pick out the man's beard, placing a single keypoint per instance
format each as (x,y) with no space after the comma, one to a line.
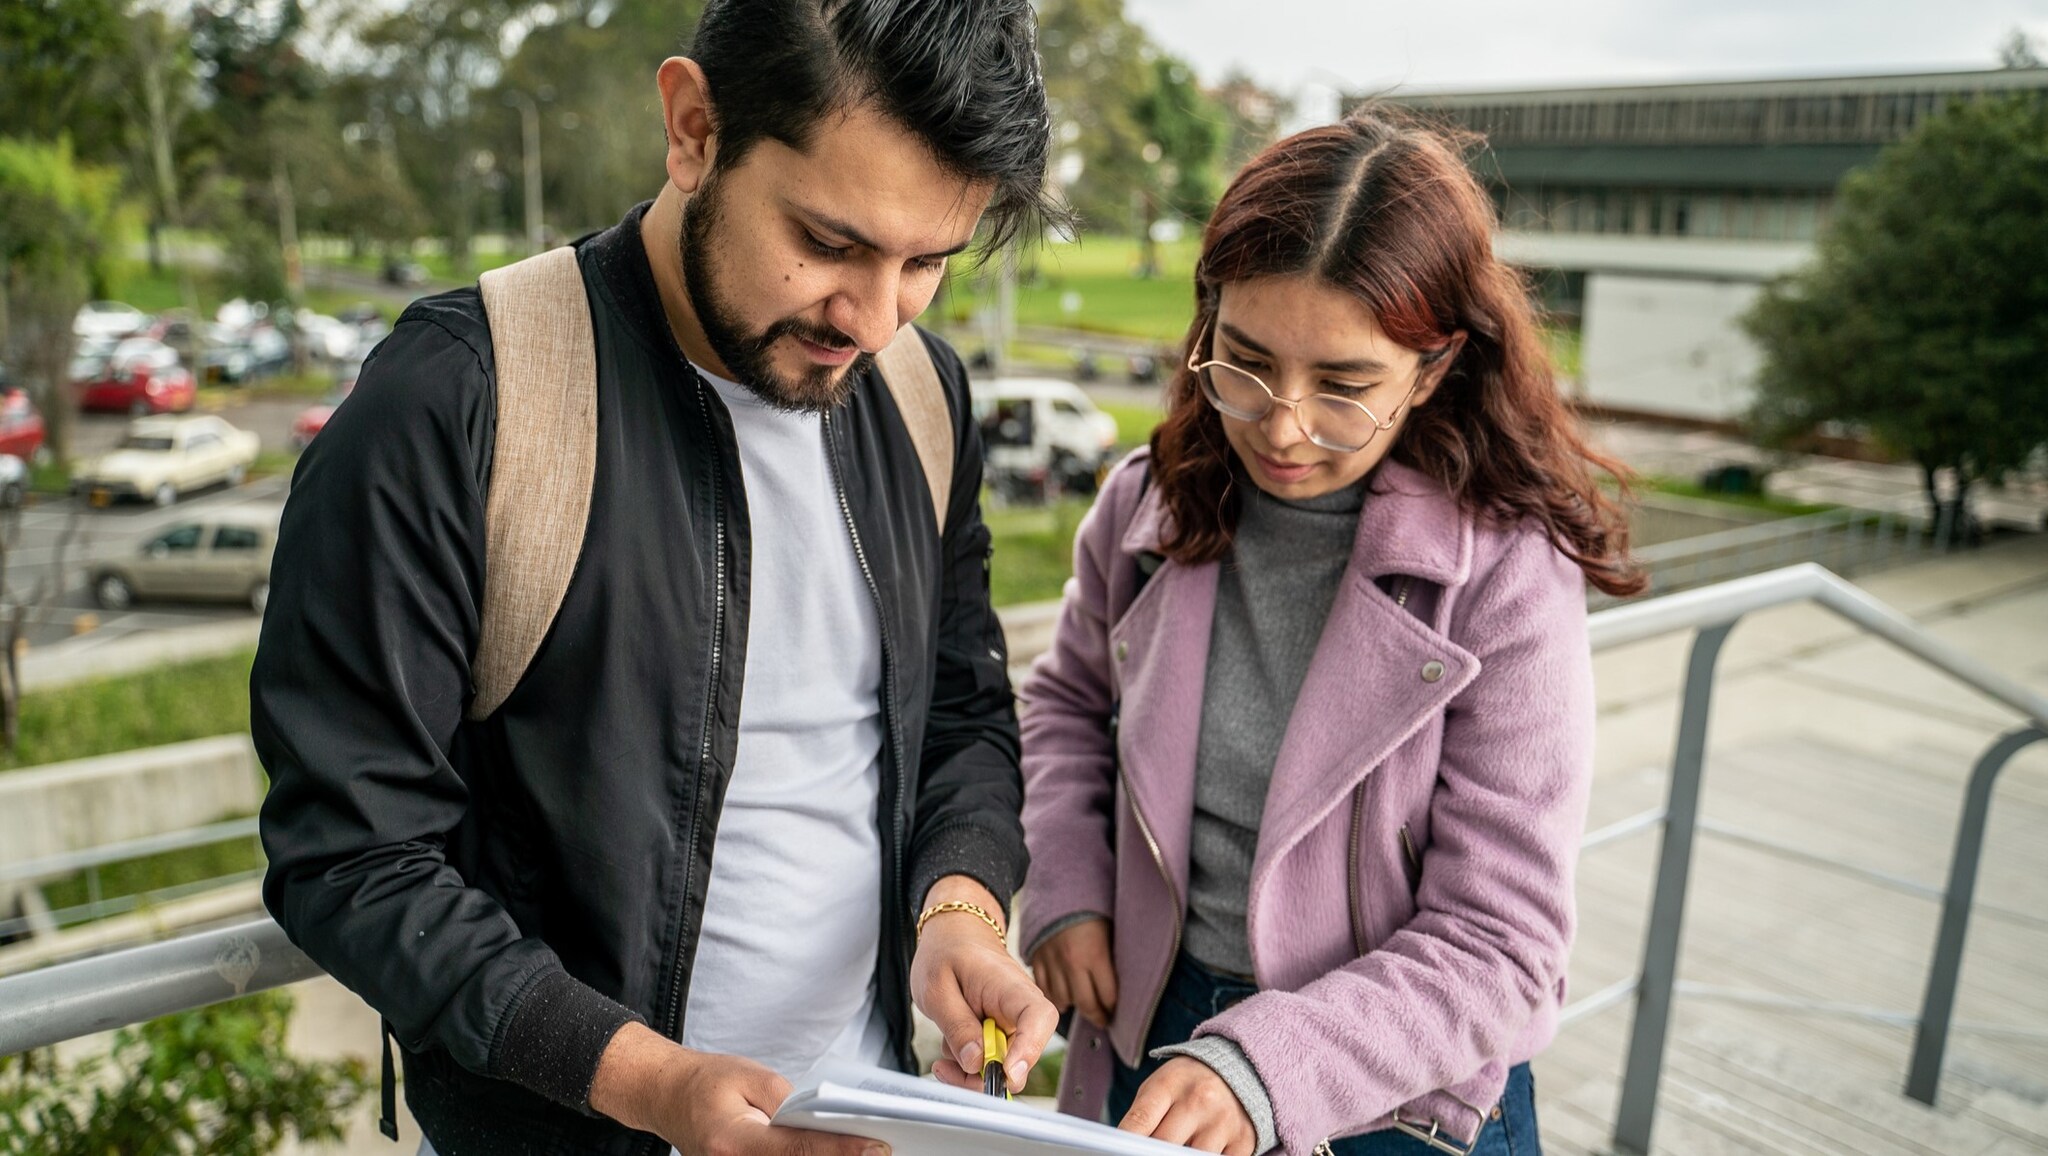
(747,356)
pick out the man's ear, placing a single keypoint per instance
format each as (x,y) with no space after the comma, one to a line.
(1434,374)
(686,117)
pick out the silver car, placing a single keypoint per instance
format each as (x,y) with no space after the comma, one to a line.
(223,557)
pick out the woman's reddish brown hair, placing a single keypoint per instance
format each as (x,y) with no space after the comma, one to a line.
(1383,207)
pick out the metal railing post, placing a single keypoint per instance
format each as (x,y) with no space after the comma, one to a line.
(1930,1040)
(1645,1065)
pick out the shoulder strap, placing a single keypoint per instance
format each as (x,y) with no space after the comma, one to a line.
(906,365)
(544,463)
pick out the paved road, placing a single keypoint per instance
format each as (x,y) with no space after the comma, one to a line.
(66,530)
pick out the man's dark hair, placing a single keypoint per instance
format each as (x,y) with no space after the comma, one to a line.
(961,75)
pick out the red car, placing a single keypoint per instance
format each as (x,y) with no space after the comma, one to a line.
(141,376)
(21,427)
(314,418)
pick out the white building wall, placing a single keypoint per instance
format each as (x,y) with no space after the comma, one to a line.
(1668,345)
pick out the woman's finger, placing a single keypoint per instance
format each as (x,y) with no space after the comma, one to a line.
(1088,1002)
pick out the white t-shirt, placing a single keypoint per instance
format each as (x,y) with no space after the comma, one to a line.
(784,971)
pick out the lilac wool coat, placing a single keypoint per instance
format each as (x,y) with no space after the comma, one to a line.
(1411,904)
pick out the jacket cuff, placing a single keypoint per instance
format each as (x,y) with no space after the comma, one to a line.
(1228,1060)
(553,1036)
(1057,926)
(988,856)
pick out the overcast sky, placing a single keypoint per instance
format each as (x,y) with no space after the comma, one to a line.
(1322,45)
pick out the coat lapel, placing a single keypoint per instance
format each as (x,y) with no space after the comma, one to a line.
(1160,649)
(1379,673)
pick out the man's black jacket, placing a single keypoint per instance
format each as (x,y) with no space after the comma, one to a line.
(509,893)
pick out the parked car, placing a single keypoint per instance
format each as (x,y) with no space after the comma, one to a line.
(108,319)
(21,427)
(164,457)
(409,274)
(13,480)
(89,358)
(313,418)
(141,375)
(327,338)
(1042,433)
(222,558)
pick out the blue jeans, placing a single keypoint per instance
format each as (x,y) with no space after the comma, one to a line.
(1195,994)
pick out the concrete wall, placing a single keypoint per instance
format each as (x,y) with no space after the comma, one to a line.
(91,802)
(1668,345)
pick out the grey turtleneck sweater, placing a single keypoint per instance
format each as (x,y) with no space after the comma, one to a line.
(1273,596)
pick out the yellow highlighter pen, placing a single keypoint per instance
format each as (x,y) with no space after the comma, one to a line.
(995,1048)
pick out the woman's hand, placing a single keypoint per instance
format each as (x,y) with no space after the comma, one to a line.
(1074,970)
(1186,1102)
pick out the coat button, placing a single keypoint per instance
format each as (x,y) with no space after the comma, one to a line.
(1123,651)
(1432,671)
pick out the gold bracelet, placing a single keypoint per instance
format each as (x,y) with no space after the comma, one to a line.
(973,909)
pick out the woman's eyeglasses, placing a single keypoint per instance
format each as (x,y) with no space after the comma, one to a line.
(1339,424)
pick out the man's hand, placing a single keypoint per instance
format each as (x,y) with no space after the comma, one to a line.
(704,1104)
(1074,970)
(1186,1102)
(962,974)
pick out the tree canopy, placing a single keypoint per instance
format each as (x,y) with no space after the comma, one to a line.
(1924,319)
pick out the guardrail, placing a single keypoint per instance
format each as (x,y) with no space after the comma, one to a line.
(1845,540)
(73,999)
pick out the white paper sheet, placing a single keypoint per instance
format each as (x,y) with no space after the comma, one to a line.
(926,1118)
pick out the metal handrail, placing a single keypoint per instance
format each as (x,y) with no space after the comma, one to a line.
(69,1000)
(67,862)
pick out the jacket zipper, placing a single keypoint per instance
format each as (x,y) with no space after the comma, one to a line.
(1353,887)
(1179,906)
(1351,883)
(889,720)
(675,984)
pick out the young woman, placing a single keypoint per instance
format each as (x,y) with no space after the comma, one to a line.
(1306,767)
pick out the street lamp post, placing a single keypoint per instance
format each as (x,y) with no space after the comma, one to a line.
(529,113)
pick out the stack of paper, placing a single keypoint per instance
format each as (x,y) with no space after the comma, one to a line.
(926,1118)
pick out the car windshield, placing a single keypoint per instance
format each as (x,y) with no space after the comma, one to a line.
(156,443)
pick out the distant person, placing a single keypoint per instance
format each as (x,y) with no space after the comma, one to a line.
(1306,767)
(757,790)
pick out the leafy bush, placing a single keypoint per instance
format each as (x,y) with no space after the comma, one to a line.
(216,1080)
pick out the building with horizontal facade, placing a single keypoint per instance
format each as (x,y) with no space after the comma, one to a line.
(1651,215)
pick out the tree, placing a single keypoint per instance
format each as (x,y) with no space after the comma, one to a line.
(1145,137)
(1254,117)
(1184,137)
(55,59)
(58,233)
(1095,76)
(2017,51)
(1925,318)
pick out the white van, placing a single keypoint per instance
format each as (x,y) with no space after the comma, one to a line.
(1042,436)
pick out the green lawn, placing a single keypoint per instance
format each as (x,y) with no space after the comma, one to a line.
(1098,271)
(156,291)
(1034,550)
(170,704)
(1134,423)
(157,872)
(1688,488)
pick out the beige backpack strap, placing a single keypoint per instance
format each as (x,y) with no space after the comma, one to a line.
(913,380)
(544,463)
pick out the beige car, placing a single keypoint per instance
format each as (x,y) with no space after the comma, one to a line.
(163,457)
(224,557)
